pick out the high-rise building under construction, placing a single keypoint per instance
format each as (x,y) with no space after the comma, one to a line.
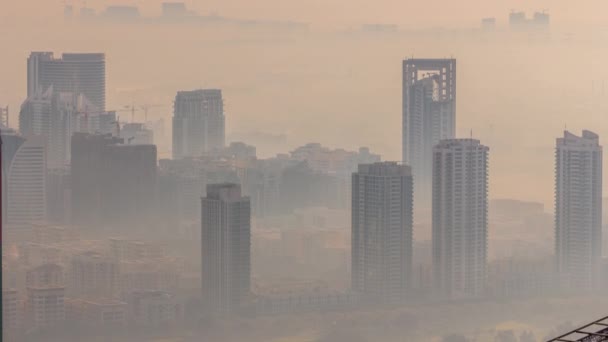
(74,72)
(429,115)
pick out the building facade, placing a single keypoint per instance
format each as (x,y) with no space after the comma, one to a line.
(93,275)
(74,72)
(11,142)
(429,115)
(198,122)
(382,220)
(56,116)
(226,248)
(460,218)
(578,209)
(112,183)
(26,184)
(45,306)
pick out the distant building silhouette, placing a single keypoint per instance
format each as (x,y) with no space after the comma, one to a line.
(74,72)
(198,122)
(382,220)
(519,22)
(226,248)
(121,13)
(429,115)
(578,209)
(488,24)
(460,218)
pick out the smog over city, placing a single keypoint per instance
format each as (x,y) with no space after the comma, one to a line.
(303,171)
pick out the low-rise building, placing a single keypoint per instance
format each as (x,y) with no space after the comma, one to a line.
(151,308)
(98,313)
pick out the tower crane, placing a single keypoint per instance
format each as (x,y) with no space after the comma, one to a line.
(145,108)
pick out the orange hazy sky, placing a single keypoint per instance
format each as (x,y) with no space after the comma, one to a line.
(344,90)
(342,13)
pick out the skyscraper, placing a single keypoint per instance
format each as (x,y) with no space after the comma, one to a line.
(11,142)
(382,219)
(74,72)
(460,218)
(56,116)
(226,248)
(198,122)
(429,114)
(578,209)
(26,182)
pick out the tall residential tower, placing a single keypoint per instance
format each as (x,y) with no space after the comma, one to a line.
(578,209)
(226,248)
(429,114)
(381,237)
(460,217)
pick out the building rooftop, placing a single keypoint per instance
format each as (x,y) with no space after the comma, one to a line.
(595,331)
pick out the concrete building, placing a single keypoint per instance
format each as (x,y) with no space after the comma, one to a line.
(112,183)
(93,275)
(519,22)
(488,24)
(74,72)
(45,275)
(137,134)
(45,306)
(150,274)
(429,115)
(97,313)
(121,13)
(11,313)
(175,10)
(26,183)
(237,151)
(89,156)
(226,248)
(337,161)
(56,116)
(11,142)
(198,122)
(153,308)
(59,196)
(460,218)
(126,249)
(311,302)
(578,209)
(382,219)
